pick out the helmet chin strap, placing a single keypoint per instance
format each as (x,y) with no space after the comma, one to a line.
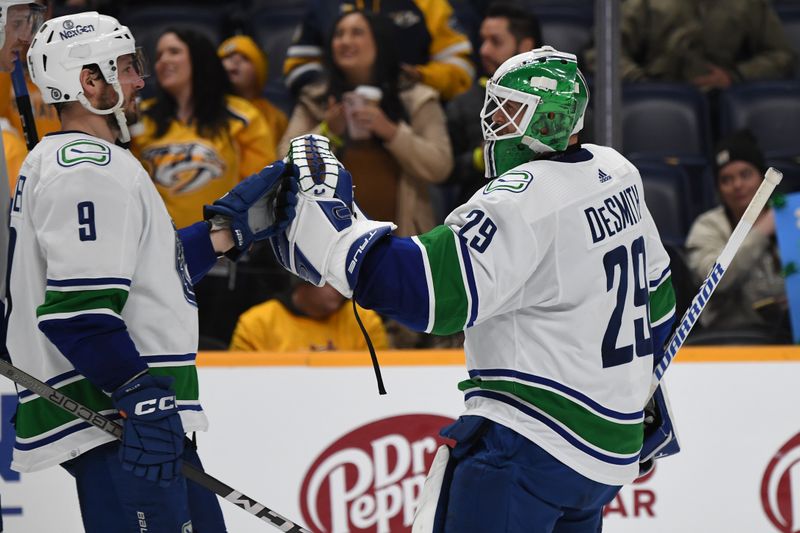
(119,114)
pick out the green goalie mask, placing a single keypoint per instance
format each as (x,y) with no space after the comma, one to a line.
(534,102)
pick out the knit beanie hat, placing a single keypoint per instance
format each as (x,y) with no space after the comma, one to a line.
(246,46)
(738,146)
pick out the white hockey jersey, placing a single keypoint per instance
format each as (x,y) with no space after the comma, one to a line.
(92,241)
(557,274)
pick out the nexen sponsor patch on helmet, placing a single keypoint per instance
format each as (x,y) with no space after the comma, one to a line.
(75,31)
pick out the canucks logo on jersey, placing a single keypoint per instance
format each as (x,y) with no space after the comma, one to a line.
(183,167)
(84,151)
(513,181)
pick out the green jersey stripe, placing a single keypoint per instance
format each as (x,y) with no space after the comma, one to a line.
(607,435)
(662,300)
(449,289)
(39,416)
(56,302)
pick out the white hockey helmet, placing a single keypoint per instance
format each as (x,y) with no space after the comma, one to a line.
(64,45)
(33,18)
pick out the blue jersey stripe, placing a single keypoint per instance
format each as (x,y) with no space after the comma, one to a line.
(473,289)
(52,382)
(171,358)
(555,427)
(656,282)
(87,282)
(503,372)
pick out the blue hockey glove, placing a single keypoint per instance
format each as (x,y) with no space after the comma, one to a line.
(152,435)
(329,236)
(660,438)
(258,207)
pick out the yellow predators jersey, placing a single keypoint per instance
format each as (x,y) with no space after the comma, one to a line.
(190,171)
(277,121)
(44,115)
(272,327)
(15,152)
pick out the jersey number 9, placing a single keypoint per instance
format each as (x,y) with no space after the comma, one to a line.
(86,229)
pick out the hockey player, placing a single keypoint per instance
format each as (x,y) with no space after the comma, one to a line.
(101,301)
(19,20)
(555,271)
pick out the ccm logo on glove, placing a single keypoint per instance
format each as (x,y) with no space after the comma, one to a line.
(167,403)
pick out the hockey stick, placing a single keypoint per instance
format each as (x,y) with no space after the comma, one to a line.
(771,179)
(189,471)
(24,104)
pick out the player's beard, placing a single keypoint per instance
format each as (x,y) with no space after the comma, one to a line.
(129,108)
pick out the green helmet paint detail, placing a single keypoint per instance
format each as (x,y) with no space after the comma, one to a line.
(534,102)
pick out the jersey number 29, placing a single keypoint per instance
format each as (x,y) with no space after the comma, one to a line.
(620,259)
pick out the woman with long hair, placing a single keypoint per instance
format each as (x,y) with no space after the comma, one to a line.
(389,132)
(196,139)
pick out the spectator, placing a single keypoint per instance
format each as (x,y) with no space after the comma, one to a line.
(19,21)
(433,50)
(407,148)
(44,115)
(752,293)
(306,318)
(246,65)
(710,43)
(196,140)
(506,31)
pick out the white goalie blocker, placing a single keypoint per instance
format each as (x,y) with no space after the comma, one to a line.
(329,235)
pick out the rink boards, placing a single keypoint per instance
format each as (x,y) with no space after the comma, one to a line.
(308,436)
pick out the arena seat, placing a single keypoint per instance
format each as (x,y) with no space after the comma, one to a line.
(665,119)
(770,109)
(789,13)
(666,191)
(567,28)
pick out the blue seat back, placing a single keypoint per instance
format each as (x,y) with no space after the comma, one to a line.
(770,109)
(665,119)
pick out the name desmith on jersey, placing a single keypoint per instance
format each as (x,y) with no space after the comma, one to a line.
(614,214)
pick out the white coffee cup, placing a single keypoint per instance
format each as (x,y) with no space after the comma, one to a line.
(354,100)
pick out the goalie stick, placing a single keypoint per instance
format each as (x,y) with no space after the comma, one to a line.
(189,471)
(771,179)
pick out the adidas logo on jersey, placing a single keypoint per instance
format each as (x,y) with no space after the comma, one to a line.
(602,176)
